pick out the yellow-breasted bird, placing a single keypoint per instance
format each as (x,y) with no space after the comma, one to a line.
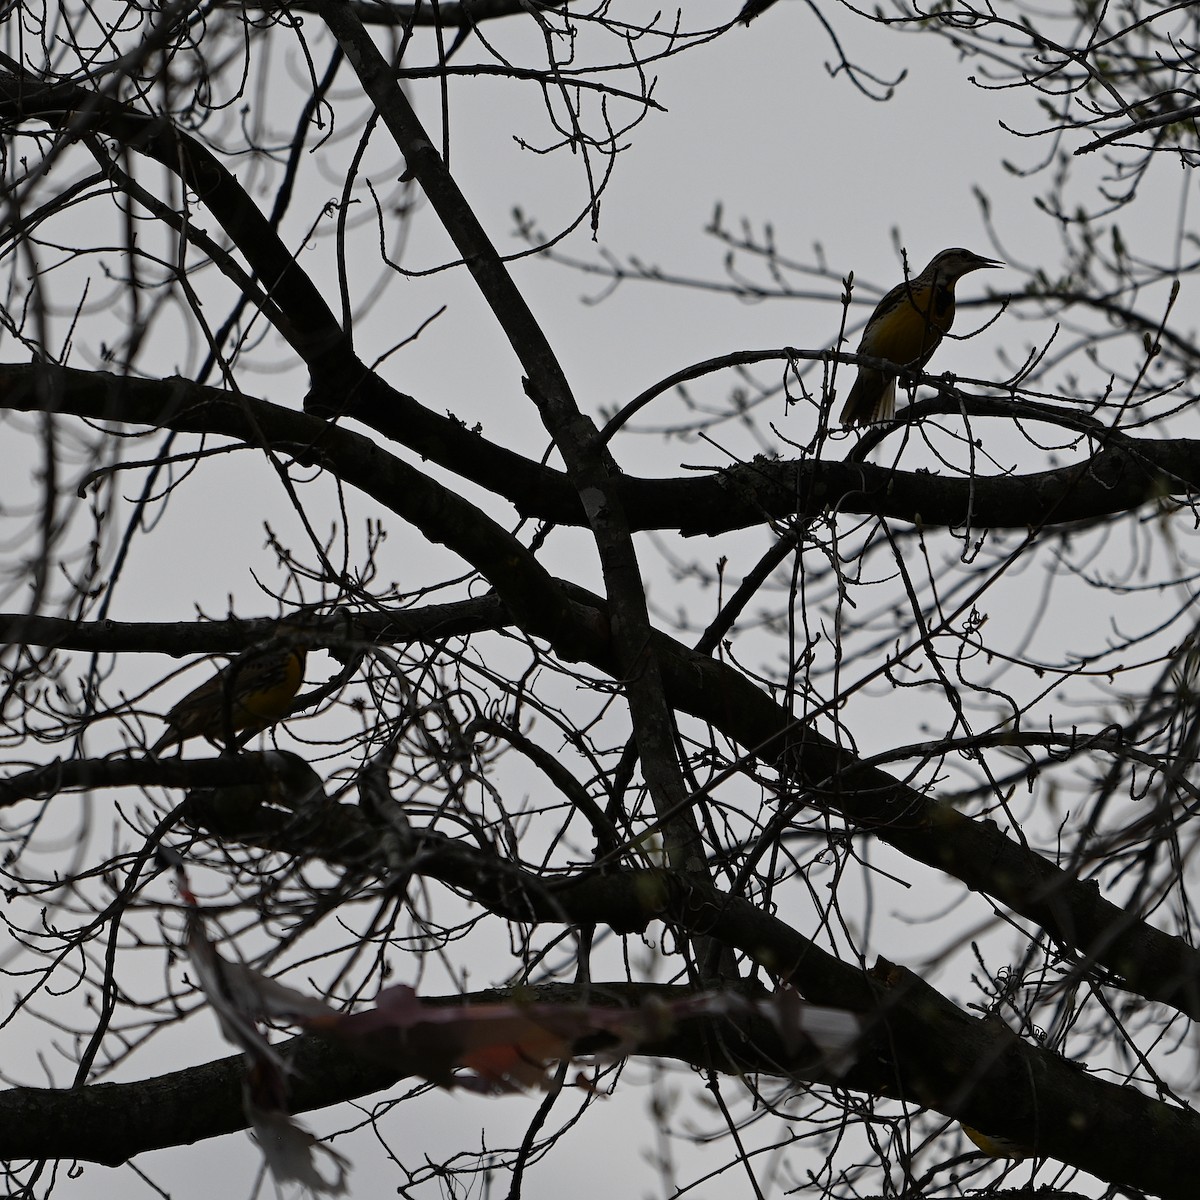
(997,1147)
(247,695)
(905,328)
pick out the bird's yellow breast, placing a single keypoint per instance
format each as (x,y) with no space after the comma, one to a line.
(266,699)
(997,1147)
(907,330)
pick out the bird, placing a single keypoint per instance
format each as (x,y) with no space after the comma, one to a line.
(997,1147)
(247,695)
(906,328)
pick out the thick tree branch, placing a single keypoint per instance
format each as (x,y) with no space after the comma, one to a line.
(431,622)
(1119,477)
(111,1122)
(448,13)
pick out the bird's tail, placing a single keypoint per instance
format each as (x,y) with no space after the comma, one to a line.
(872,399)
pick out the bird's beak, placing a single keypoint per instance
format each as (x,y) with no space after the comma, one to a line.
(982,262)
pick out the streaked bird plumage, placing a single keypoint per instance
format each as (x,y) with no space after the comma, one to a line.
(906,328)
(249,694)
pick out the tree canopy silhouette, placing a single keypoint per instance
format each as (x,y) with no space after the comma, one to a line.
(651,763)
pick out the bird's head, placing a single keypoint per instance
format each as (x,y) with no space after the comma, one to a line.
(954,263)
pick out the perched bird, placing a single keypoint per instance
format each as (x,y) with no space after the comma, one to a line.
(905,328)
(997,1147)
(247,695)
